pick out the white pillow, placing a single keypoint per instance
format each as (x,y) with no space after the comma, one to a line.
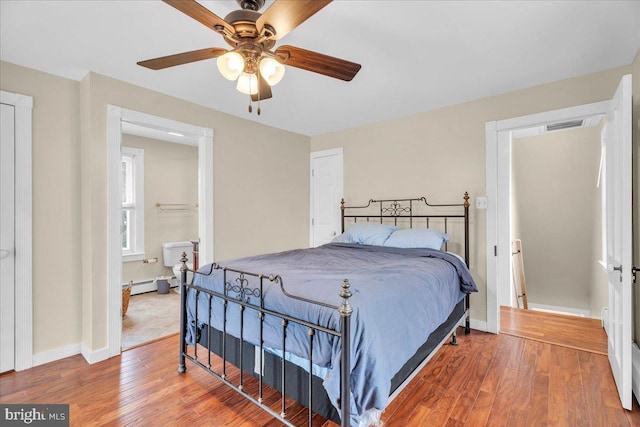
(417,238)
(366,233)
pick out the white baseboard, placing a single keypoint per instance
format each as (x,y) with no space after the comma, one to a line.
(635,370)
(56,354)
(478,325)
(561,310)
(94,356)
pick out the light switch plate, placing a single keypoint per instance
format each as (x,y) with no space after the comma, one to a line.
(481,203)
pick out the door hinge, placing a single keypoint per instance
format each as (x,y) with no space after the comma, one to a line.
(313,172)
(313,221)
(495,250)
(634,270)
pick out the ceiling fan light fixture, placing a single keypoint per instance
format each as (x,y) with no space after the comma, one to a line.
(247,84)
(230,65)
(271,70)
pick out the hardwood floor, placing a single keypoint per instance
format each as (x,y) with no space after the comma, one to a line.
(580,333)
(488,380)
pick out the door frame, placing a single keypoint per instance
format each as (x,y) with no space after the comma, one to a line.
(23,207)
(314,155)
(116,117)
(498,186)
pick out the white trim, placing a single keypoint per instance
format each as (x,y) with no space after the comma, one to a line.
(114,241)
(133,257)
(137,252)
(314,155)
(204,138)
(23,105)
(56,354)
(498,164)
(571,311)
(94,356)
(493,319)
(635,371)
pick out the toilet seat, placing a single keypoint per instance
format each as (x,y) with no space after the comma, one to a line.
(178,274)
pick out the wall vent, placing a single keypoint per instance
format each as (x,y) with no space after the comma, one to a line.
(564,125)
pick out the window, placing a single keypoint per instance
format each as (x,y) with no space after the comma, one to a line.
(132,230)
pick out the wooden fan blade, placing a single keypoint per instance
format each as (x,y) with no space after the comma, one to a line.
(317,62)
(182,58)
(201,14)
(264,90)
(285,15)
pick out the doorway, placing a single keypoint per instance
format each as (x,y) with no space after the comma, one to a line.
(160,210)
(556,214)
(617,206)
(117,119)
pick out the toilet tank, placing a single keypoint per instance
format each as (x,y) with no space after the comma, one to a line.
(172,252)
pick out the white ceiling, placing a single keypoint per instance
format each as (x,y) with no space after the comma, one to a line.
(416,55)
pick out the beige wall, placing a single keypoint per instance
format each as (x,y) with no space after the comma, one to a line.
(557,216)
(56,205)
(260,177)
(441,153)
(170,172)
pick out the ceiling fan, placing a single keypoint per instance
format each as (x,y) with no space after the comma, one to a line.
(252,36)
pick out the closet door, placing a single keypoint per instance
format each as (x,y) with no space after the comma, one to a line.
(7,238)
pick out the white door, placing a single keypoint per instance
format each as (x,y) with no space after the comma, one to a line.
(617,183)
(7,239)
(326,192)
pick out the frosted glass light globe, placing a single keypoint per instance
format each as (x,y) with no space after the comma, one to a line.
(271,70)
(230,65)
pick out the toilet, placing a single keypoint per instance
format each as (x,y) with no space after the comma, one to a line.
(171,254)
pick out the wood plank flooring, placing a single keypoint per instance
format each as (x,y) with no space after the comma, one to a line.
(488,380)
(581,333)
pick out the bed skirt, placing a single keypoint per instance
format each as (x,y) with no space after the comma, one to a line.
(297,378)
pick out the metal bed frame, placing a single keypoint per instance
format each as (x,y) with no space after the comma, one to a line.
(242,287)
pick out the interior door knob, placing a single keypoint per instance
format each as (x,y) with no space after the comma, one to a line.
(611,268)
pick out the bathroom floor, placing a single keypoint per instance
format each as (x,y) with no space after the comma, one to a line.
(150,316)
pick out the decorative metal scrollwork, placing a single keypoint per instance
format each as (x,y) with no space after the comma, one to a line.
(394,209)
(242,290)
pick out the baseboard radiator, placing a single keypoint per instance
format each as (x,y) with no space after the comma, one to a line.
(144,286)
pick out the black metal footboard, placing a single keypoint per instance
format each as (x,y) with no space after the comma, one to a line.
(237,290)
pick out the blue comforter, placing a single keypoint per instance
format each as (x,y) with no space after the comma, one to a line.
(399,297)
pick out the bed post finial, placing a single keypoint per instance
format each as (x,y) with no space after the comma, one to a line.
(342,204)
(345,293)
(466,199)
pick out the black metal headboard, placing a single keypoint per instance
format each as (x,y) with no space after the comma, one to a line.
(406,209)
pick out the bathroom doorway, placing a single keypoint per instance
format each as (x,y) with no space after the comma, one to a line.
(160,210)
(121,122)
